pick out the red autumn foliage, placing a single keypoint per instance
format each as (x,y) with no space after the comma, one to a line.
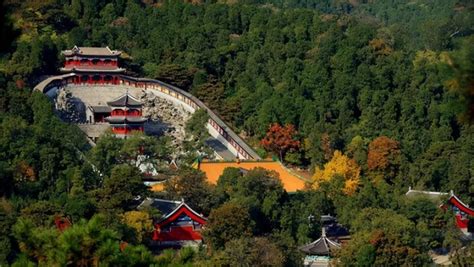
(281,139)
(20,84)
(123,245)
(383,151)
(61,223)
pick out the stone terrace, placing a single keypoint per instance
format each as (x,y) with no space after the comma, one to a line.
(165,116)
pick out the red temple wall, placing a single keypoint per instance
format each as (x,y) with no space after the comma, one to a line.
(118,79)
(126,130)
(461,222)
(179,233)
(72,63)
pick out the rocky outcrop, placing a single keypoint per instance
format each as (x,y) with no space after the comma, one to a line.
(168,118)
(67,108)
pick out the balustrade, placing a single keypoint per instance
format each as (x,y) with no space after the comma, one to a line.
(117,80)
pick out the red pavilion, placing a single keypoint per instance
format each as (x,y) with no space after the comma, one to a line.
(125,115)
(93,65)
(179,226)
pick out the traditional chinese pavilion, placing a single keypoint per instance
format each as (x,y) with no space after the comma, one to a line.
(319,252)
(179,226)
(461,210)
(462,213)
(92,64)
(125,115)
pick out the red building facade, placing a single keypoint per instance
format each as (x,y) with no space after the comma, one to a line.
(462,213)
(182,226)
(125,115)
(93,65)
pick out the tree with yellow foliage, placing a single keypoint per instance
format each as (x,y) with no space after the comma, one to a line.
(140,221)
(341,165)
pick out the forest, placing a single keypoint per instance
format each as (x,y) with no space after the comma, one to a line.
(376,97)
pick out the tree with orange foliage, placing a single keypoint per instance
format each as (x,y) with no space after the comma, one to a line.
(281,139)
(384,156)
(341,165)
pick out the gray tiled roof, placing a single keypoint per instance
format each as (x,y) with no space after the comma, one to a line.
(91,51)
(164,206)
(101,109)
(125,119)
(49,83)
(322,246)
(124,100)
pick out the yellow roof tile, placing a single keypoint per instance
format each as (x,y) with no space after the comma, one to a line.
(291,182)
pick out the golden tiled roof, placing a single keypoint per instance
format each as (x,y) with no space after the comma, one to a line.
(291,181)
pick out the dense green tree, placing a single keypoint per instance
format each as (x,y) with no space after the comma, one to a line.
(229,221)
(383,238)
(176,75)
(84,243)
(262,192)
(251,252)
(106,153)
(117,192)
(191,186)
(462,82)
(7,219)
(342,72)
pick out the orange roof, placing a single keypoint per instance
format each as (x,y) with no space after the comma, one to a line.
(291,182)
(158,187)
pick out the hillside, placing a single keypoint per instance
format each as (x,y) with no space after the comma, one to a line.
(371,98)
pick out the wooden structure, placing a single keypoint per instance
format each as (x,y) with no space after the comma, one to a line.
(179,226)
(97,114)
(319,252)
(462,212)
(89,66)
(94,65)
(126,115)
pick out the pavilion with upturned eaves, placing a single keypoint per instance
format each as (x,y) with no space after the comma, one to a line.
(98,68)
(126,115)
(92,64)
(179,226)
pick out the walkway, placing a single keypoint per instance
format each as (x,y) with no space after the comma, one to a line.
(220,149)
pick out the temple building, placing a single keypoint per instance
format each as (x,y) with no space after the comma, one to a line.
(179,226)
(125,115)
(462,212)
(91,76)
(97,114)
(93,65)
(320,252)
